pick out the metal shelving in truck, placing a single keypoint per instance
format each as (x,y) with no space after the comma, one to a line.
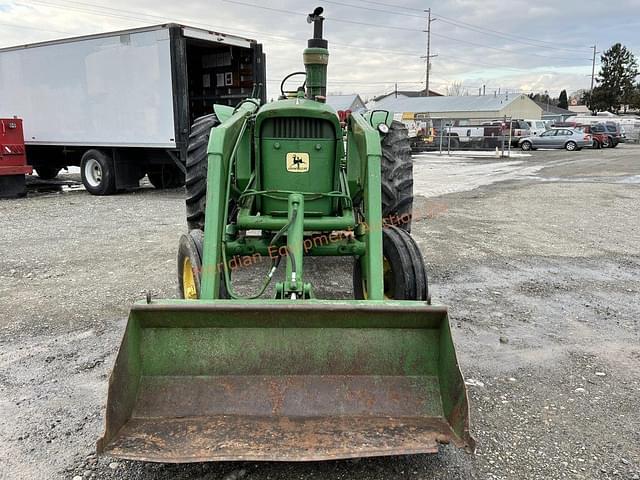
(119,105)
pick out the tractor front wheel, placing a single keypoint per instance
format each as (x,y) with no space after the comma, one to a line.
(405,275)
(190,264)
(397,177)
(190,256)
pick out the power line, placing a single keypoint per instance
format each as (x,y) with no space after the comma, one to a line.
(238,2)
(133,15)
(479,29)
(341,20)
(506,36)
(402,7)
(457,23)
(498,49)
(356,82)
(24,27)
(127,14)
(514,38)
(108,11)
(343,4)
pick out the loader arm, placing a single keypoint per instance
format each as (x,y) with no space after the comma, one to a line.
(223,145)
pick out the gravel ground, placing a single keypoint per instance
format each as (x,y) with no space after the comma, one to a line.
(538,259)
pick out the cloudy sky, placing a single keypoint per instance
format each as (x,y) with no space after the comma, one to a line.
(515,45)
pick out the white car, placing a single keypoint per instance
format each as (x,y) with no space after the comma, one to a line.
(536,127)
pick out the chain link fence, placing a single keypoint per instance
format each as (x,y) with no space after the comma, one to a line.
(449,135)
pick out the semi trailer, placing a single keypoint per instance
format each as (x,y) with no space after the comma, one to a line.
(119,105)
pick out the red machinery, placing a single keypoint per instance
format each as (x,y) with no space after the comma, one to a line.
(13,161)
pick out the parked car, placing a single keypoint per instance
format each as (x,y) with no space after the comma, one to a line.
(571,139)
(614,132)
(466,134)
(598,133)
(519,130)
(536,127)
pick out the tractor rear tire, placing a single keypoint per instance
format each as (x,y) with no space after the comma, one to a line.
(397,177)
(196,178)
(405,275)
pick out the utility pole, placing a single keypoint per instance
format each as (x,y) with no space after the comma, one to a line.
(593,66)
(428,57)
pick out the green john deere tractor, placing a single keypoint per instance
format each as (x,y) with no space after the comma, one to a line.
(218,376)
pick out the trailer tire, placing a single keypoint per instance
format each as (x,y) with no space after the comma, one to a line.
(405,275)
(397,177)
(98,172)
(196,178)
(47,172)
(166,176)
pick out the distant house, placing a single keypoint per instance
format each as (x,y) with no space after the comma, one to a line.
(482,107)
(579,109)
(351,102)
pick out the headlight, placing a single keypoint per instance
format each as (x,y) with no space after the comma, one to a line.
(383,128)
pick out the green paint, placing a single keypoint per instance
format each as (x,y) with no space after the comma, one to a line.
(222,143)
(223,112)
(172,344)
(178,340)
(368,149)
(315,63)
(376,117)
(319,245)
(295,236)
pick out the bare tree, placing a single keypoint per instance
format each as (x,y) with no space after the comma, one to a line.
(456,89)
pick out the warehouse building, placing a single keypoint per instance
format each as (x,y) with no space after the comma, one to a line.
(406,94)
(464,107)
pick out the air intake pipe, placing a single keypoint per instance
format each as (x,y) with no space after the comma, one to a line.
(316,58)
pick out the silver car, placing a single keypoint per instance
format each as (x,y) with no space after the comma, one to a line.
(570,139)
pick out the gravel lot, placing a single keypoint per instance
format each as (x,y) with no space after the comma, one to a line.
(538,259)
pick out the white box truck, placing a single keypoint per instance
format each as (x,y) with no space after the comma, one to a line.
(120,105)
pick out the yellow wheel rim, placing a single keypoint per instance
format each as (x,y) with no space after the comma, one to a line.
(188,281)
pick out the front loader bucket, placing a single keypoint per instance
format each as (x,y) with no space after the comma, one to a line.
(286,381)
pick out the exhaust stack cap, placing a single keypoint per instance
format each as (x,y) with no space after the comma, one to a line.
(316,18)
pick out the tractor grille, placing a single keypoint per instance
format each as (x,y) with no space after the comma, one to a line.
(297,127)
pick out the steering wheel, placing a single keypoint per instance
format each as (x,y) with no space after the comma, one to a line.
(285,92)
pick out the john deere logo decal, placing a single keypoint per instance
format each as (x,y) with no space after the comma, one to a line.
(297,162)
